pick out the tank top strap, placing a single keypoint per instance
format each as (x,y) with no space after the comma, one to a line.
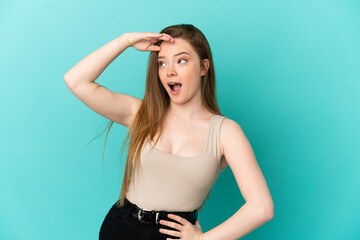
(213,141)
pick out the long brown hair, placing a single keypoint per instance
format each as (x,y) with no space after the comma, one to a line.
(150,115)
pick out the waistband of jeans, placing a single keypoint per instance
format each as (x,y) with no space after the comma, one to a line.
(157,215)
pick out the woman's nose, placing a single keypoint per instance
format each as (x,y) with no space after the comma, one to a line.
(171,70)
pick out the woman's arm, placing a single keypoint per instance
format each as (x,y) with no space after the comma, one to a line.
(80,79)
(90,68)
(259,207)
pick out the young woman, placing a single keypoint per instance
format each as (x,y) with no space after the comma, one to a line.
(180,142)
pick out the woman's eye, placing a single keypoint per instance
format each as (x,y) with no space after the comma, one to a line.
(160,63)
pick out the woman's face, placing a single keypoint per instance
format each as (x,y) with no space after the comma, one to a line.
(178,62)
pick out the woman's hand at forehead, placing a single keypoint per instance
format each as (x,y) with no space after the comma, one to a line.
(143,41)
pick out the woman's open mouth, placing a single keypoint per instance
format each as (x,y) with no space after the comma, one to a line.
(175,88)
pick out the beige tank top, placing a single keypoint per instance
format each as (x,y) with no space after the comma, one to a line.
(168,182)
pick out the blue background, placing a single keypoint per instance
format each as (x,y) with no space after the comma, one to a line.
(287,72)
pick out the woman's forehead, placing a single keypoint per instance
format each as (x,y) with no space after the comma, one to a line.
(168,49)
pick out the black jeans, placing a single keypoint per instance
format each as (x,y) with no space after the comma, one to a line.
(119,224)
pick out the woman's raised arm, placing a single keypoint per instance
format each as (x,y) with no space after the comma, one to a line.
(80,79)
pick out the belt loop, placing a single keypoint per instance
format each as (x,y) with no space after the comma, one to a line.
(157,217)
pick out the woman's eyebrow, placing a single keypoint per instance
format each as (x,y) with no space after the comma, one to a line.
(175,54)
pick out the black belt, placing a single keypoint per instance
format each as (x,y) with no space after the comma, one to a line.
(151,216)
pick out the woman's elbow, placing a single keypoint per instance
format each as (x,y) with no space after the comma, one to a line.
(269,212)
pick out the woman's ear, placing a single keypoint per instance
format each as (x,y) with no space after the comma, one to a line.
(206,65)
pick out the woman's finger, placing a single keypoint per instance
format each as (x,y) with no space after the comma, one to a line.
(153,48)
(170,232)
(155,34)
(159,38)
(166,36)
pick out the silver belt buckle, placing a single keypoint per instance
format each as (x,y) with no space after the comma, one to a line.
(141,214)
